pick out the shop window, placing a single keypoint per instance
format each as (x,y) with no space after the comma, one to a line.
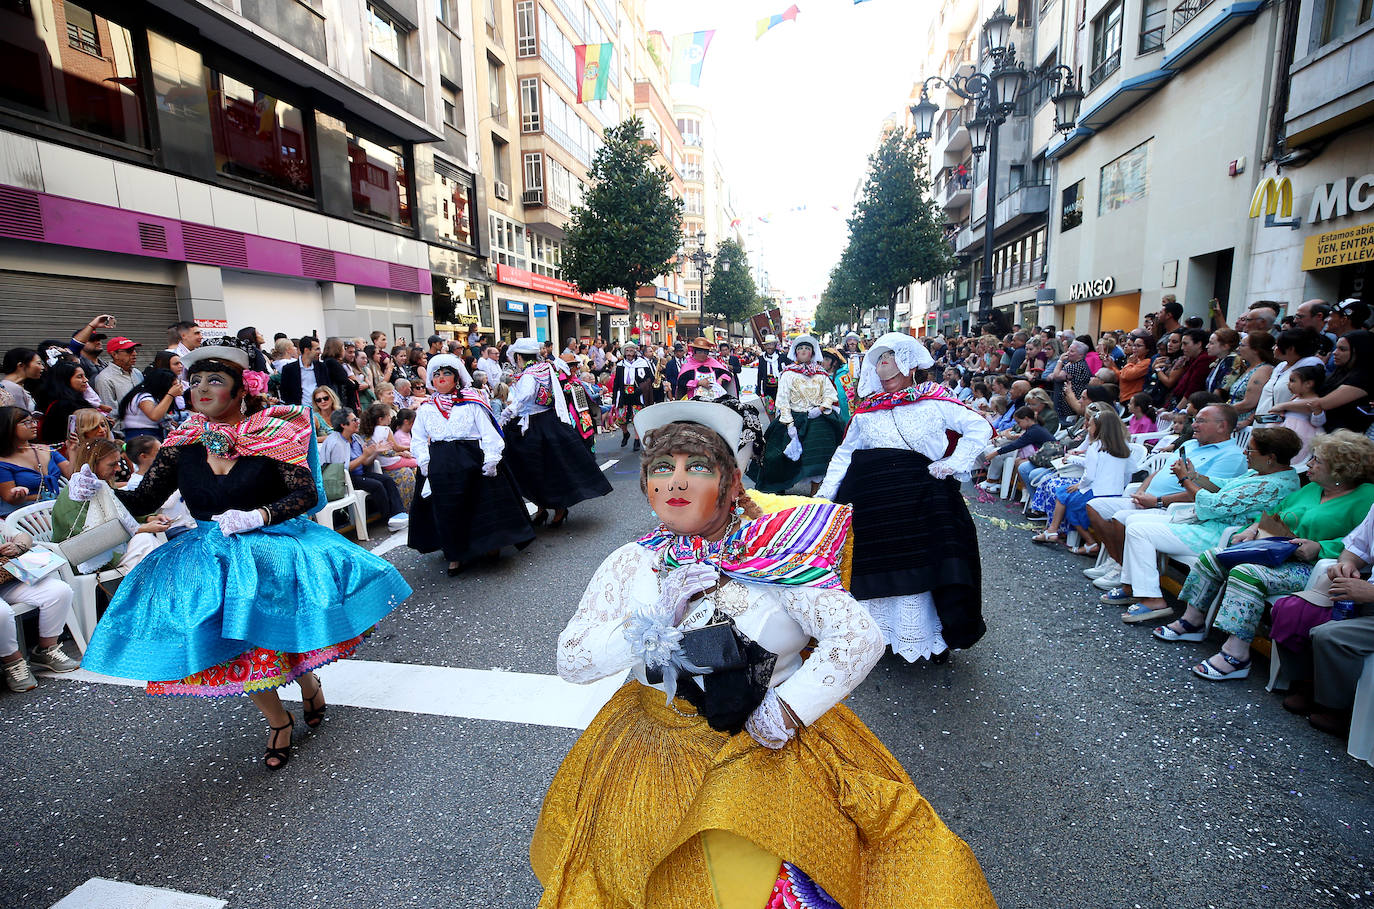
(65,64)
(380,181)
(1071,215)
(258,137)
(1125,180)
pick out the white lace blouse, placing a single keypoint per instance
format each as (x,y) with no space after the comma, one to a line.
(918,427)
(779,618)
(465,421)
(801,393)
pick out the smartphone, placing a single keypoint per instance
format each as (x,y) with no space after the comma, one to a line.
(71,426)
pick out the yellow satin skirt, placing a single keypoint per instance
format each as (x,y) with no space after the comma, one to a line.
(645,806)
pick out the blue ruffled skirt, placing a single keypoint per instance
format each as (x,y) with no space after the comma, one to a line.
(203,597)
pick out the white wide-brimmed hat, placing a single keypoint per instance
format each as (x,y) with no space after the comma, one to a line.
(229,353)
(718,418)
(440,361)
(910,353)
(526,347)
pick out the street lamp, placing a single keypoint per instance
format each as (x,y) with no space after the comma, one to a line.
(994,97)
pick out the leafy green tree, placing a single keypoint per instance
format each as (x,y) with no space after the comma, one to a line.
(731,295)
(628,228)
(846,296)
(896,234)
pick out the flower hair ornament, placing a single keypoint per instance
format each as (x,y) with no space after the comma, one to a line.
(659,646)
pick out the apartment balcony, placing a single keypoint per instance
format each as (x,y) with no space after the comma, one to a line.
(1027,201)
(543,218)
(532,197)
(1327,92)
(953,190)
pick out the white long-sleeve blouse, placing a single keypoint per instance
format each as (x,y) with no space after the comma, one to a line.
(1104,473)
(780,618)
(918,427)
(465,421)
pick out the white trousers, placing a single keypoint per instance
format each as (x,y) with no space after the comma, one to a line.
(1148,533)
(52,596)
(998,464)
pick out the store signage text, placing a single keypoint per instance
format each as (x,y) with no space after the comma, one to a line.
(1339,247)
(1088,290)
(518,277)
(1273,198)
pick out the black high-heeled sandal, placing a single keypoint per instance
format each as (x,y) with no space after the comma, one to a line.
(540,517)
(558,522)
(281,755)
(314,717)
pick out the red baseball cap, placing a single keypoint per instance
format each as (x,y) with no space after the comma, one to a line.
(120,344)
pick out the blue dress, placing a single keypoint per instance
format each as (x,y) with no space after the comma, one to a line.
(211,615)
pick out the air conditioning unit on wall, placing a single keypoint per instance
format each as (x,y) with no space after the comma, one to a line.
(502,190)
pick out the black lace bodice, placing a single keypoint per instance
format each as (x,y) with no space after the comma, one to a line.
(286,490)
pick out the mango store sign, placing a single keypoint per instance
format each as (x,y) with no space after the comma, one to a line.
(1092,290)
(1339,247)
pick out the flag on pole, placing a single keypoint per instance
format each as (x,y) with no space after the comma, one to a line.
(689,51)
(778,19)
(593,71)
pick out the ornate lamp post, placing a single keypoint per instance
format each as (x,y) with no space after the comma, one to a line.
(702,259)
(994,95)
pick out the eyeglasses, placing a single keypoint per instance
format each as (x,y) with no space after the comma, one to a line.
(322,400)
(31,418)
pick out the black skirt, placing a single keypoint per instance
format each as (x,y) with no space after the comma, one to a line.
(913,534)
(467,515)
(551,464)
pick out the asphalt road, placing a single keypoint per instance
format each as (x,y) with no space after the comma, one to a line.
(1078,757)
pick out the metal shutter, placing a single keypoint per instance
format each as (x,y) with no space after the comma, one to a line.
(36,307)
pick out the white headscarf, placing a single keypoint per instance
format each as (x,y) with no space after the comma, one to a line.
(910,353)
(440,360)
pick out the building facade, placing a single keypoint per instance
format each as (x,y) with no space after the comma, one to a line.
(237,163)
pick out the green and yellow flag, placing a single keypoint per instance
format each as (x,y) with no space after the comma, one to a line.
(593,71)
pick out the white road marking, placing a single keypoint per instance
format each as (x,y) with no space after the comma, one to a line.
(102,893)
(611,463)
(479,694)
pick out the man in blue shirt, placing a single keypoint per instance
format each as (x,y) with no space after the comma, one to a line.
(1213,453)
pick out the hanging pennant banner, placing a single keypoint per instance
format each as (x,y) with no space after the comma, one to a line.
(593,71)
(764,24)
(689,52)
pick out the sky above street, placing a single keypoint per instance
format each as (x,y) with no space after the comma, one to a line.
(798,111)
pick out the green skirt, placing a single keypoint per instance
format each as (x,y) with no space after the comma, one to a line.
(776,472)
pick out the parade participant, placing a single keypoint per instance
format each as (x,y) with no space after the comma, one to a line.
(580,410)
(853,354)
(751,782)
(845,381)
(700,361)
(256,596)
(916,564)
(469,505)
(770,370)
(545,453)
(800,442)
(631,389)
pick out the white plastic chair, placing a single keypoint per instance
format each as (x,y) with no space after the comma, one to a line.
(36,521)
(352,498)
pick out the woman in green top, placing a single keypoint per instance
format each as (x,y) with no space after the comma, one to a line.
(1319,515)
(1038,400)
(70,518)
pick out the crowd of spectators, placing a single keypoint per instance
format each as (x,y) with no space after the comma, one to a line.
(1174,441)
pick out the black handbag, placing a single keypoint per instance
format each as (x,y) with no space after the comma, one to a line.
(739,676)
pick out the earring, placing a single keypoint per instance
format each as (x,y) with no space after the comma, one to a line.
(653,514)
(738,509)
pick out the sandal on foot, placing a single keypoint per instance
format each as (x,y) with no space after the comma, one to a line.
(1190,631)
(1142,613)
(1090,550)
(559,516)
(1118,596)
(282,756)
(1046,538)
(314,716)
(1239,669)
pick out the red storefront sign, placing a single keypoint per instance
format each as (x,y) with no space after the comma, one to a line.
(518,277)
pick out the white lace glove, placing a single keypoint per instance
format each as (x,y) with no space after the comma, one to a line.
(235,521)
(814,412)
(941,470)
(794,448)
(678,587)
(767,724)
(506,416)
(84,485)
(489,468)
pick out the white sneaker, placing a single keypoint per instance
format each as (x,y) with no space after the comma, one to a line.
(1110,579)
(1098,571)
(396,522)
(994,486)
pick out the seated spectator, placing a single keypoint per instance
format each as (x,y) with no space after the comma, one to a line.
(1218,505)
(29,472)
(22,369)
(1325,659)
(1256,353)
(1212,453)
(1108,463)
(1317,517)
(1099,393)
(1142,415)
(1000,412)
(401,426)
(1072,372)
(1181,420)
(53,597)
(148,403)
(343,446)
(70,518)
(1292,348)
(323,403)
(283,352)
(141,451)
(1028,438)
(1190,372)
(979,401)
(1038,400)
(1226,368)
(66,387)
(1131,377)
(1346,396)
(386,394)
(395,463)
